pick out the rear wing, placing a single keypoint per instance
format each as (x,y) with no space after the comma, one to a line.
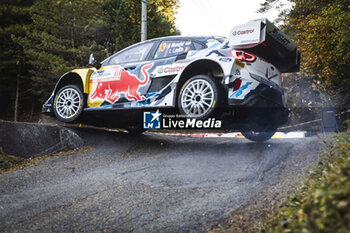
(265,40)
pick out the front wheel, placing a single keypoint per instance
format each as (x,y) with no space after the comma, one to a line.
(199,97)
(68,104)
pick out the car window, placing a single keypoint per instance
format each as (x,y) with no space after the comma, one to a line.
(198,46)
(135,54)
(172,48)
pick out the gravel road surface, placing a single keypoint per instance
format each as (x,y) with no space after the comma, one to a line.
(151,183)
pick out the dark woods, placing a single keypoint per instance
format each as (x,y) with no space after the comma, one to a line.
(43,39)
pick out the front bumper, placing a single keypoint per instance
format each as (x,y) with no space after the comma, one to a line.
(47,106)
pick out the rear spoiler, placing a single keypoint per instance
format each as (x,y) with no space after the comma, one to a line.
(265,40)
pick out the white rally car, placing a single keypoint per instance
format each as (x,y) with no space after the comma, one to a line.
(237,79)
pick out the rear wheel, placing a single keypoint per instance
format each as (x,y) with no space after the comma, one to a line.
(199,97)
(68,103)
(259,135)
(135,130)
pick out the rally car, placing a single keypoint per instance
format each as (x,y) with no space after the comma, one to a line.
(237,78)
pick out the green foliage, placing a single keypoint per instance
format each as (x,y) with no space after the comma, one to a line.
(324,42)
(124,20)
(65,32)
(9,161)
(14,16)
(61,37)
(321,30)
(43,39)
(324,203)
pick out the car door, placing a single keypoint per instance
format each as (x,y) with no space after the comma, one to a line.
(164,59)
(125,77)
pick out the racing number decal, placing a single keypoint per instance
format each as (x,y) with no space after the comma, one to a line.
(162,47)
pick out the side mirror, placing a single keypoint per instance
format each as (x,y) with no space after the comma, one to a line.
(93,62)
(92,59)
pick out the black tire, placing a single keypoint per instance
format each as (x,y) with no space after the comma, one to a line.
(68,104)
(135,130)
(261,135)
(201,104)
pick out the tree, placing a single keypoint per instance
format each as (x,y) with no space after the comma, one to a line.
(325,44)
(14,16)
(43,39)
(321,29)
(65,32)
(124,20)
(62,35)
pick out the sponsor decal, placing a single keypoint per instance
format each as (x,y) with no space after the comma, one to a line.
(239,63)
(225,59)
(160,70)
(239,32)
(276,33)
(157,120)
(152,120)
(240,90)
(116,81)
(170,70)
(105,75)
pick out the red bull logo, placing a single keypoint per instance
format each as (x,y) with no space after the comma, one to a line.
(119,81)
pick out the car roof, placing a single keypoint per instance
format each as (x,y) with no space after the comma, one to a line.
(202,39)
(198,38)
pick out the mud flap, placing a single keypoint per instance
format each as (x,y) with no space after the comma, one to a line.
(255,118)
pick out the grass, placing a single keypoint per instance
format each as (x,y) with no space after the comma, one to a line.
(10,162)
(323,202)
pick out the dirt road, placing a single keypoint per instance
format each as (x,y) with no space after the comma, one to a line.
(148,184)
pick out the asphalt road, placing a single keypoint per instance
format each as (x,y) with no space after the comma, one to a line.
(148,184)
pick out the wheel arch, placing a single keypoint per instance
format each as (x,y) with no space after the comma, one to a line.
(200,67)
(69,78)
(79,77)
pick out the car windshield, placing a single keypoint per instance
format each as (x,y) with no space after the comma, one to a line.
(133,54)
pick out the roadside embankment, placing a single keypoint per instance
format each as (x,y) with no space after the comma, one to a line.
(30,140)
(323,203)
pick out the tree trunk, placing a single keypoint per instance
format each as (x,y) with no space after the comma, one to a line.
(16,100)
(32,110)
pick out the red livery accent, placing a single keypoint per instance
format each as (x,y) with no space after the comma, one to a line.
(237,84)
(126,83)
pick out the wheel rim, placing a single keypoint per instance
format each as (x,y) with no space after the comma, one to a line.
(68,103)
(197,98)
